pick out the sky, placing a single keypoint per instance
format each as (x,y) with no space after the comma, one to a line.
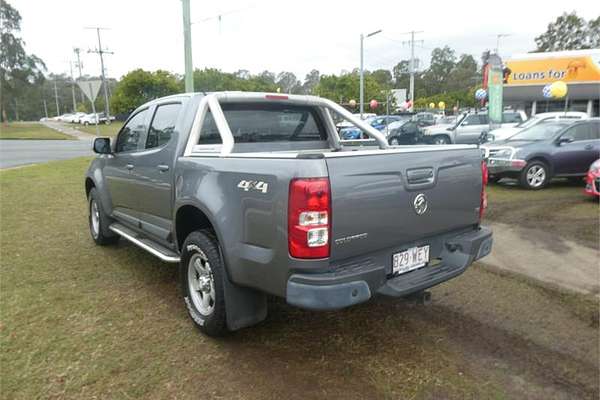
(295,36)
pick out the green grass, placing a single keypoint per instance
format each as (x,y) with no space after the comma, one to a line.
(30,130)
(80,321)
(105,130)
(561,207)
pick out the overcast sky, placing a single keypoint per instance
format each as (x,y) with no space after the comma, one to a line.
(279,35)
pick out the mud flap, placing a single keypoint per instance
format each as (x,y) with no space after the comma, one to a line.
(243,306)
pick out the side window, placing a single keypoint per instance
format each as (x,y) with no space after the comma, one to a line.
(483,119)
(471,120)
(163,125)
(132,134)
(579,132)
(209,134)
(511,118)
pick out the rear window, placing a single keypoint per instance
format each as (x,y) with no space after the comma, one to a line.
(511,118)
(253,123)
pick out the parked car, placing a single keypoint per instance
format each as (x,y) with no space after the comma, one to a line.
(64,117)
(90,119)
(346,124)
(553,149)
(249,204)
(506,132)
(380,123)
(76,118)
(405,132)
(592,179)
(425,118)
(470,128)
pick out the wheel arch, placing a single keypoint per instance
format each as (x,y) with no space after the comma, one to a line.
(543,158)
(189,217)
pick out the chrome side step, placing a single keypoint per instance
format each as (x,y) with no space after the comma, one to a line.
(151,247)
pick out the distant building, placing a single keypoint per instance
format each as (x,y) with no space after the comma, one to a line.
(526,74)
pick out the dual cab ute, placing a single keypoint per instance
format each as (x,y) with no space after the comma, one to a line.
(255,194)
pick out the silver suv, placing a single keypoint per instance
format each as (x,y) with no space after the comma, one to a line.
(469,127)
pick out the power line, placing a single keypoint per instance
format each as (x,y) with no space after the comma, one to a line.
(100,51)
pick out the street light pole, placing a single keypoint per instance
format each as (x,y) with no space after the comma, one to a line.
(187,46)
(362,72)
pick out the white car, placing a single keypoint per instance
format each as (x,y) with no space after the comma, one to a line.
(90,119)
(504,133)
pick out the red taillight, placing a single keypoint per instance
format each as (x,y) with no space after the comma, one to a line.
(484,182)
(309,218)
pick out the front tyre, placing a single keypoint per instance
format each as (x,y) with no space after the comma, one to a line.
(441,139)
(99,221)
(201,274)
(394,142)
(535,175)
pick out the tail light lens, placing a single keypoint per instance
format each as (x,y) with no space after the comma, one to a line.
(484,182)
(309,222)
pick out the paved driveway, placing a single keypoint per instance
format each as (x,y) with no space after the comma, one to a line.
(14,153)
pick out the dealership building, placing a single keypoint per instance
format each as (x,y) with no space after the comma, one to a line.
(525,75)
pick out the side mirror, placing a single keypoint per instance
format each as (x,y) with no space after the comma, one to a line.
(102,145)
(564,140)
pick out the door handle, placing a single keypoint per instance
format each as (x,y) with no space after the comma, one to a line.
(129,166)
(588,147)
(162,168)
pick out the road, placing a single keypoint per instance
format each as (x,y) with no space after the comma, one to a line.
(15,153)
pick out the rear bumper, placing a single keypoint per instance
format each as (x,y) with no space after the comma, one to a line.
(335,290)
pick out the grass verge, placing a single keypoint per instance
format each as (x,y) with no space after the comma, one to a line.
(105,130)
(30,130)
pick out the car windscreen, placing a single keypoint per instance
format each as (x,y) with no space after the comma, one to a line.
(540,131)
(529,122)
(265,122)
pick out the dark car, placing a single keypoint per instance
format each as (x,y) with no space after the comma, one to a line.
(553,149)
(405,132)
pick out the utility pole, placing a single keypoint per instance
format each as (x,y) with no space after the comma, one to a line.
(56,98)
(362,73)
(498,37)
(101,51)
(77,50)
(73,87)
(45,109)
(187,46)
(412,67)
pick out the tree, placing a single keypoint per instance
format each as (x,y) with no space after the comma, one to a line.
(463,74)
(19,71)
(139,86)
(383,77)
(437,76)
(401,73)
(311,81)
(288,83)
(569,32)
(345,87)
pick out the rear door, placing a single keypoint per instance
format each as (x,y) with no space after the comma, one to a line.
(373,197)
(577,156)
(470,128)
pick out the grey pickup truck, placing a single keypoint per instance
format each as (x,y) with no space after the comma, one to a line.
(254,194)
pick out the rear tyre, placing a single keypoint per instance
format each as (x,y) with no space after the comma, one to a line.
(99,221)
(535,175)
(201,273)
(441,139)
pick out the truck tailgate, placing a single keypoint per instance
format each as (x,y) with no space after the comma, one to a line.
(373,197)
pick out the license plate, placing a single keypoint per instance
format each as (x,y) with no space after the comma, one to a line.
(410,259)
